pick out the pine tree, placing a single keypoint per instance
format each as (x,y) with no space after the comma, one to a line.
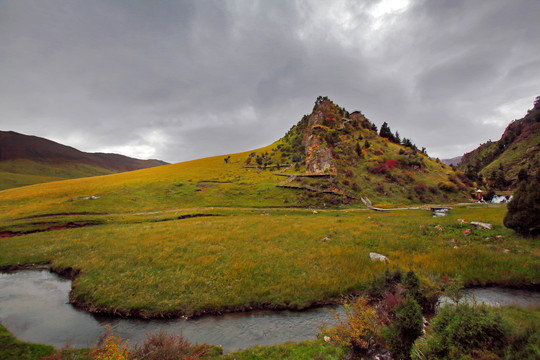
(385,132)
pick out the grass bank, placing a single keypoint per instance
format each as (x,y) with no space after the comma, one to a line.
(274,259)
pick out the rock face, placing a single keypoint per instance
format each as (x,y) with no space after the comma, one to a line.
(319,159)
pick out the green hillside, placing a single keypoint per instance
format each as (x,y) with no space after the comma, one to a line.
(334,151)
(499,162)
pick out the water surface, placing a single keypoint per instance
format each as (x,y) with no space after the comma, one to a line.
(34,307)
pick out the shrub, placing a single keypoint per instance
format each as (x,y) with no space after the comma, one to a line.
(384,282)
(457,333)
(378,169)
(406,328)
(162,346)
(359,330)
(110,347)
(419,189)
(296,158)
(523,214)
(345,182)
(391,163)
(448,187)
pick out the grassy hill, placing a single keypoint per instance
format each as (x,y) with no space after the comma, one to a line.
(26,160)
(499,162)
(330,158)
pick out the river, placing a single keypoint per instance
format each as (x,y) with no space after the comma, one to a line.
(34,307)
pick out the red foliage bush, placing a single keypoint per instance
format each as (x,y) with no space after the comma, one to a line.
(391,163)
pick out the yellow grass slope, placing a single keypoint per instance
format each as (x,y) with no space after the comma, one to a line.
(198,183)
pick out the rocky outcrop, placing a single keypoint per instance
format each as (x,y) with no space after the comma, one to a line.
(319,158)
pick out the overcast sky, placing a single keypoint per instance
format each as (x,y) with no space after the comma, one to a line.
(179,80)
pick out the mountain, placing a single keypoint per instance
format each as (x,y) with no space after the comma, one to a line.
(453,161)
(499,162)
(26,160)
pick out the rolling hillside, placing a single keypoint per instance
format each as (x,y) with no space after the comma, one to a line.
(26,160)
(499,162)
(330,158)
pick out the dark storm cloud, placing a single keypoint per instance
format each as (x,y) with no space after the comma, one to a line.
(178,80)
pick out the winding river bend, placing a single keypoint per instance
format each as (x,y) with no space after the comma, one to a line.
(33,307)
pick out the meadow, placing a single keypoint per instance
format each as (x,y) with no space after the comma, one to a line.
(170,264)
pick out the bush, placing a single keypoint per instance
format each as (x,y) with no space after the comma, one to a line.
(460,332)
(419,189)
(384,282)
(523,214)
(379,169)
(359,330)
(403,332)
(110,347)
(162,346)
(448,187)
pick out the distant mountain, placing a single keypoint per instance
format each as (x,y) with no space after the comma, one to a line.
(26,160)
(499,162)
(453,161)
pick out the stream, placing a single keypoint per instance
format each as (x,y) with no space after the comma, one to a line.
(34,307)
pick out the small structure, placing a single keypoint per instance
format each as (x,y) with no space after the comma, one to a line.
(479,195)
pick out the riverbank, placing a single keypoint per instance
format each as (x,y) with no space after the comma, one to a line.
(271,259)
(13,349)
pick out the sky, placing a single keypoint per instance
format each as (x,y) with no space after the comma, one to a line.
(181,80)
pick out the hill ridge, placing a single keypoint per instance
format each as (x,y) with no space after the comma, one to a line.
(499,162)
(30,159)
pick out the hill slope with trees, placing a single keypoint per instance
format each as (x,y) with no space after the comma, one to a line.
(500,162)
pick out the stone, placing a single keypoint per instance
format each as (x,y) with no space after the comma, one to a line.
(327,338)
(374,257)
(480,224)
(325,239)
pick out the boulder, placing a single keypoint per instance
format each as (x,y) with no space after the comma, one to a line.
(374,257)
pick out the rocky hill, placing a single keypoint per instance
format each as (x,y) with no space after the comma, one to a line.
(28,159)
(499,162)
(332,151)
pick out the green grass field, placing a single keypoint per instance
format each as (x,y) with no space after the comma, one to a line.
(155,264)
